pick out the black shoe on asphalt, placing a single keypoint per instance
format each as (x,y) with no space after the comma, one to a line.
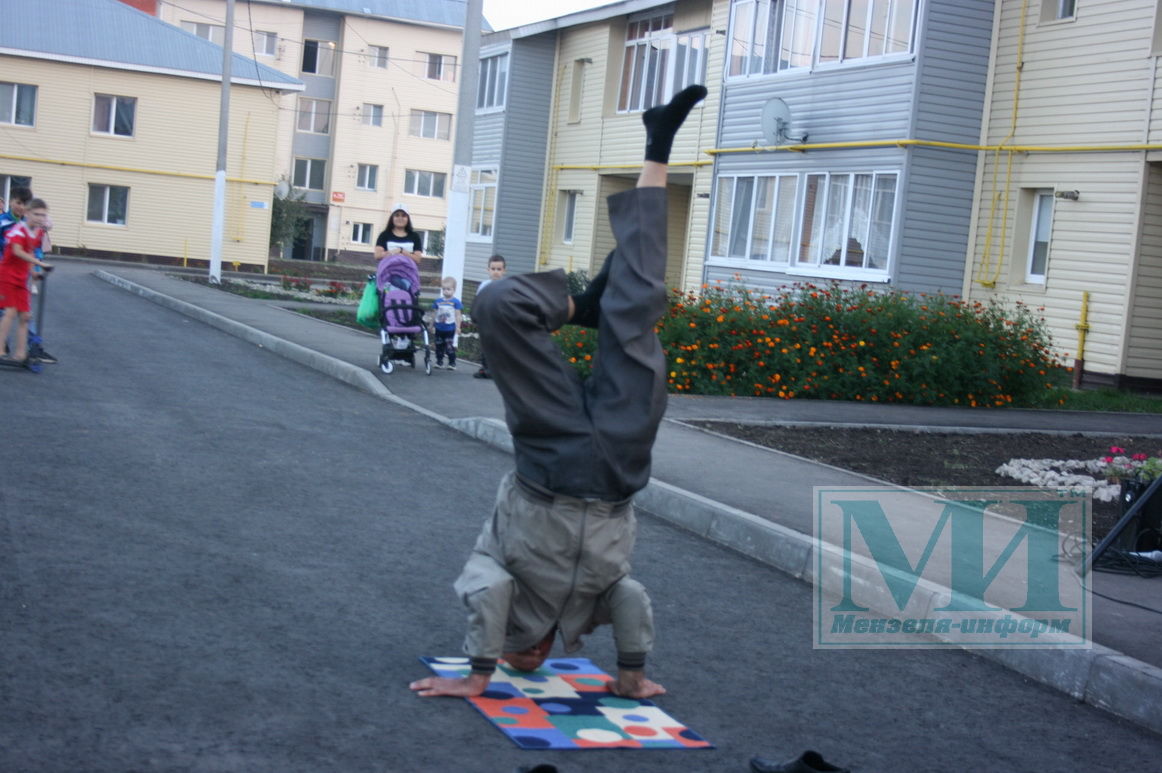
(481,374)
(43,356)
(807,762)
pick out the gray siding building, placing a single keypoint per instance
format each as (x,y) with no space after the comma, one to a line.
(851,190)
(510,141)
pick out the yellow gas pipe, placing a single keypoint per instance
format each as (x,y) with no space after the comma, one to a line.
(1082,328)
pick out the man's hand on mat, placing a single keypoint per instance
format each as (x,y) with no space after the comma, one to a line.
(464,687)
(633,684)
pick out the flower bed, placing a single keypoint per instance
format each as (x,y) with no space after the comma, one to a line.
(1102,476)
(849,343)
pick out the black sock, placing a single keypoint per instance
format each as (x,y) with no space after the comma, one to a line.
(587,305)
(662,122)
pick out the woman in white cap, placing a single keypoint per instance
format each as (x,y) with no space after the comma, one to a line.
(399,237)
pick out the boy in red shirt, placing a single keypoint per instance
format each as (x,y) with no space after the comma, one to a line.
(20,245)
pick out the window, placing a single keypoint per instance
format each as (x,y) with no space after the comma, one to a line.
(1052,10)
(17,103)
(576,90)
(372,114)
(493,82)
(770,36)
(377,56)
(846,221)
(310,173)
(482,198)
(425,123)
(755,218)
(265,43)
(365,177)
(215,33)
(10,181)
(436,242)
(319,57)
(108,204)
(1039,231)
(439,67)
(419,183)
(314,115)
(658,64)
(569,208)
(114,115)
(361,233)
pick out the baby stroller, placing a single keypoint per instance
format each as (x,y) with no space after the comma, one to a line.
(398,280)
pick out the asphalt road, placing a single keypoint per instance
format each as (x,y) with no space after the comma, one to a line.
(212,559)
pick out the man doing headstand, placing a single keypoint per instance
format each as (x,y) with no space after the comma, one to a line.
(554,555)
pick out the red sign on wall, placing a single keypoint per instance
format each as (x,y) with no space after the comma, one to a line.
(338,197)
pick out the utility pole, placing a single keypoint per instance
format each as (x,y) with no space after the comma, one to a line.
(223,135)
(458,195)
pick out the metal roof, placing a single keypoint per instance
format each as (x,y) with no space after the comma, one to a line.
(108,33)
(448,13)
(600,13)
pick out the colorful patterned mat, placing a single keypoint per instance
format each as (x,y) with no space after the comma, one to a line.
(565,705)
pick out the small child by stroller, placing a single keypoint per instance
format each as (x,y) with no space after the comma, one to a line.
(398,280)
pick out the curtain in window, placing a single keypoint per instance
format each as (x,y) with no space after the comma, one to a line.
(123,119)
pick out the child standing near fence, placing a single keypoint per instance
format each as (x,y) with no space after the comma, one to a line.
(448,315)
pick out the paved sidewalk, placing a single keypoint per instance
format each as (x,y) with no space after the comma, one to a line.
(752,499)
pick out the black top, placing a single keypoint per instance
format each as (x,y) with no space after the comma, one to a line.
(411,243)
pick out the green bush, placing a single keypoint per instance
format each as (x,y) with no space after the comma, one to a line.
(849,343)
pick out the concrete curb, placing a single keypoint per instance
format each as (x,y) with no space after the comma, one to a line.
(1098,676)
(927,429)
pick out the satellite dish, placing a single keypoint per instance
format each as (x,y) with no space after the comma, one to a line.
(282,189)
(776,123)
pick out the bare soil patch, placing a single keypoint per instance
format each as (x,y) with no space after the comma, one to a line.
(910,458)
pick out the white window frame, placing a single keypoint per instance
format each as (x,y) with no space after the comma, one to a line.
(310,164)
(366,176)
(749,257)
(492,87)
(361,233)
(1040,224)
(105,192)
(325,51)
(115,102)
(569,215)
(424,236)
(421,182)
(444,66)
(818,265)
(772,22)
(372,115)
(577,90)
(13,107)
(651,41)
(430,124)
(269,42)
(316,112)
(10,181)
(378,56)
(215,33)
(482,192)
(1058,10)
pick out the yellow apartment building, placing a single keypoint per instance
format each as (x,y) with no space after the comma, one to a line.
(112,117)
(1068,202)
(373,126)
(608,72)
(558,129)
